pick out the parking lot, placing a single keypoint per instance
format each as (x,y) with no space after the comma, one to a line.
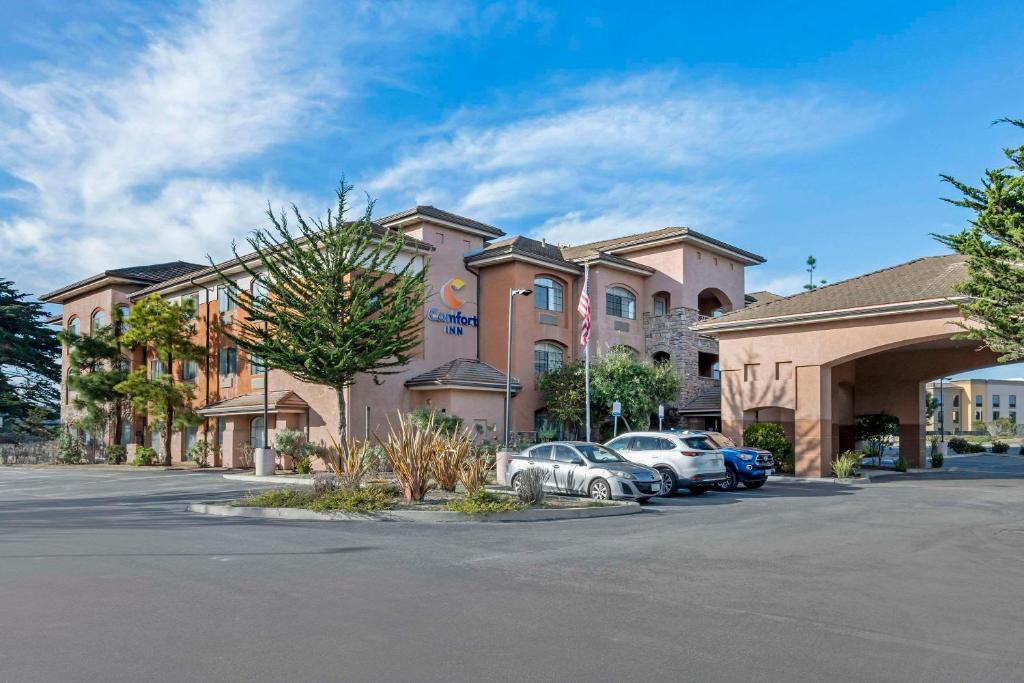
(909,578)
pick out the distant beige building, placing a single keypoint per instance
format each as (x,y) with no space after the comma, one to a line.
(965,404)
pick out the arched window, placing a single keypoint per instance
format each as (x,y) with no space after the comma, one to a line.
(547,294)
(661,357)
(661,303)
(625,348)
(620,303)
(121,320)
(98,321)
(956,401)
(256,432)
(75,327)
(547,357)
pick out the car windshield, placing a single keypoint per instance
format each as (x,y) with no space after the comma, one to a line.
(721,440)
(596,453)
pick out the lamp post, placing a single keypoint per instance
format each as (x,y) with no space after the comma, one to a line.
(512,294)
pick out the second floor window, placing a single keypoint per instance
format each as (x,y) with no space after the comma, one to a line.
(1013,400)
(225,299)
(547,294)
(546,357)
(227,362)
(620,303)
(995,400)
(75,327)
(98,321)
(978,401)
(257,366)
(156,368)
(189,371)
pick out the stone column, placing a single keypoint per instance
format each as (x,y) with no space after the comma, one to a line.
(813,421)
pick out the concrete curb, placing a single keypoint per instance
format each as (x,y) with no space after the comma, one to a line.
(286,479)
(853,481)
(616,508)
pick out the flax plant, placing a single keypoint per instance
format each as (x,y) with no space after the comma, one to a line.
(451,458)
(350,461)
(473,474)
(411,452)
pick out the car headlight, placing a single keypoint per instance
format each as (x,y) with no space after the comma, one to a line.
(620,473)
(745,456)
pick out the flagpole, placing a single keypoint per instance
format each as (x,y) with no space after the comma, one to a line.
(586,353)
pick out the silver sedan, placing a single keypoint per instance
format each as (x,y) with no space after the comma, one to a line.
(590,469)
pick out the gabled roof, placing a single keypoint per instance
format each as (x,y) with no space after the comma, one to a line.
(566,258)
(444,216)
(760,297)
(922,283)
(146,274)
(642,240)
(285,401)
(465,373)
(206,271)
(707,402)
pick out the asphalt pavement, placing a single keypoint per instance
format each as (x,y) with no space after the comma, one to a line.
(105,577)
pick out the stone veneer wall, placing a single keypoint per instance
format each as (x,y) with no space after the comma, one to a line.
(671,333)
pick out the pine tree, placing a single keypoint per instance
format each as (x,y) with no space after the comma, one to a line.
(994,247)
(29,354)
(332,302)
(166,329)
(97,365)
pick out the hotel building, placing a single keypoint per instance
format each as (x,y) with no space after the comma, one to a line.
(966,404)
(646,290)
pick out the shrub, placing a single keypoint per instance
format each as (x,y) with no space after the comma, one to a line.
(116,454)
(425,416)
(367,499)
(1000,447)
(303,465)
(69,450)
(768,436)
(547,432)
(785,464)
(958,444)
(475,469)
(531,486)
(350,461)
(324,483)
(200,452)
(276,498)
(246,455)
(483,502)
(937,459)
(449,460)
(289,443)
(975,448)
(901,464)
(411,451)
(144,456)
(845,465)
(879,431)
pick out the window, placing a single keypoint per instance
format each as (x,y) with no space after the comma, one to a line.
(956,416)
(995,400)
(995,414)
(625,348)
(978,401)
(547,294)
(125,437)
(98,321)
(189,371)
(620,303)
(565,454)
(698,443)
(620,444)
(977,414)
(1013,400)
(956,401)
(660,304)
(546,357)
(225,299)
(122,317)
(227,362)
(1013,416)
(256,364)
(540,452)
(155,442)
(256,432)
(661,357)
(259,290)
(156,368)
(74,327)
(222,426)
(191,436)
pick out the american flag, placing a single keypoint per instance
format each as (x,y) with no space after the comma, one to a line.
(584,309)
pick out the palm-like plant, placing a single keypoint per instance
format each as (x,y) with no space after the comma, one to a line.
(411,452)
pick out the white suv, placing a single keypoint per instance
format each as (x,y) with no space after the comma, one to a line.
(689,461)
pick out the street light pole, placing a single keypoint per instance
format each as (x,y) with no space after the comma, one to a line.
(512,293)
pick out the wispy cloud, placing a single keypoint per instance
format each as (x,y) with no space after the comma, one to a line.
(643,151)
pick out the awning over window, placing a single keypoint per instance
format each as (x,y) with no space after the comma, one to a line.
(463,373)
(252,404)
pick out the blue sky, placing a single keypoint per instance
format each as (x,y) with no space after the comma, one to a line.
(165,128)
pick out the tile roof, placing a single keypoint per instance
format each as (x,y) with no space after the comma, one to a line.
(204,271)
(464,372)
(760,297)
(248,404)
(641,238)
(925,279)
(567,257)
(153,273)
(441,214)
(707,402)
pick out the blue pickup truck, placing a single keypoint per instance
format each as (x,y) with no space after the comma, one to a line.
(747,466)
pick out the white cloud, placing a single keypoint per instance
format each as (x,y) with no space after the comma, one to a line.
(640,152)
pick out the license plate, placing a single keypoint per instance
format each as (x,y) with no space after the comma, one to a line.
(769,473)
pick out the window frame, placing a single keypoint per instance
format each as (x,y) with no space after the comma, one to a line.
(553,294)
(227,356)
(615,302)
(548,367)
(93,325)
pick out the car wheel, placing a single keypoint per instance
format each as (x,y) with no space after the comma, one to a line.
(730,482)
(600,490)
(698,490)
(754,484)
(668,481)
(516,483)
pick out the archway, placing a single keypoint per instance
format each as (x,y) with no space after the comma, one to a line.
(712,302)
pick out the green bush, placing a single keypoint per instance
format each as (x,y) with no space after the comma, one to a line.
(937,459)
(901,464)
(304,466)
(424,416)
(1000,447)
(277,498)
(69,451)
(958,445)
(878,431)
(289,443)
(200,453)
(845,465)
(116,454)
(369,499)
(144,456)
(768,436)
(484,502)
(975,448)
